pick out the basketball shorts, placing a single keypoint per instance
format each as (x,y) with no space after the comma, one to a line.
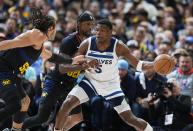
(9,90)
(52,92)
(111,91)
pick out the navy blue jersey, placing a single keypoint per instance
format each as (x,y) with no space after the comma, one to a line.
(69,46)
(17,60)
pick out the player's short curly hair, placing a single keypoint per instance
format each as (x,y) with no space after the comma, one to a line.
(105,22)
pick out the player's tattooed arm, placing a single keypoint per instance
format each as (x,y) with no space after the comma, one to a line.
(56,58)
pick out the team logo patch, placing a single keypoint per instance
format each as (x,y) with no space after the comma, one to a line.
(6,82)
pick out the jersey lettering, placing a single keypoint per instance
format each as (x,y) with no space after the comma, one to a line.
(107,61)
(23,68)
(73,74)
(101,61)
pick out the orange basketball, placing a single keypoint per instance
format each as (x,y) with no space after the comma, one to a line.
(163,64)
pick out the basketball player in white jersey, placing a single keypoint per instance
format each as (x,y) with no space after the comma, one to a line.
(104,80)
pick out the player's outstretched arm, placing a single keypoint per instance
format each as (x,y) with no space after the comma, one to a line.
(20,41)
(30,38)
(60,59)
(78,61)
(123,50)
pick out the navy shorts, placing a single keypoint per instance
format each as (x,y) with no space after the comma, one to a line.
(9,89)
(54,92)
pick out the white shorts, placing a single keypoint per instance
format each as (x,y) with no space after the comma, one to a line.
(111,91)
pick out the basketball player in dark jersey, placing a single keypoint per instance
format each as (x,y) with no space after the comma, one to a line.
(58,84)
(16,56)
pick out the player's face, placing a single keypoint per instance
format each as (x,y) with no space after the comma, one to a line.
(51,33)
(86,28)
(103,33)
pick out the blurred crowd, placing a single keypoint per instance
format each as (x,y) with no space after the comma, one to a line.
(149,28)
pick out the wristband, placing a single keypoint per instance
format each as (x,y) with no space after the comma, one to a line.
(58,59)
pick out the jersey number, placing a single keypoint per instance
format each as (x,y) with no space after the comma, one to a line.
(98,70)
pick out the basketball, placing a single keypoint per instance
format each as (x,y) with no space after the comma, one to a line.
(163,64)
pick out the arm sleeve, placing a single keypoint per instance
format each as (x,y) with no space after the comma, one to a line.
(58,59)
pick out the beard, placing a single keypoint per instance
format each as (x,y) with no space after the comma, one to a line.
(87,33)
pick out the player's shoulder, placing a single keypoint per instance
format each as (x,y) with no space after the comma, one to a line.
(113,38)
(89,39)
(30,34)
(34,33)
(71,38)
(120,44)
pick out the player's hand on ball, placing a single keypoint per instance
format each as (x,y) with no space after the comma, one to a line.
(164,64)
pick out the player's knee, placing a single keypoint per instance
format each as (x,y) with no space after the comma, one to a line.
(25,103)
(27,100)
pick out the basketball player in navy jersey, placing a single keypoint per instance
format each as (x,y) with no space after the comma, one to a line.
(16,56)
(103,80)
(59,84)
